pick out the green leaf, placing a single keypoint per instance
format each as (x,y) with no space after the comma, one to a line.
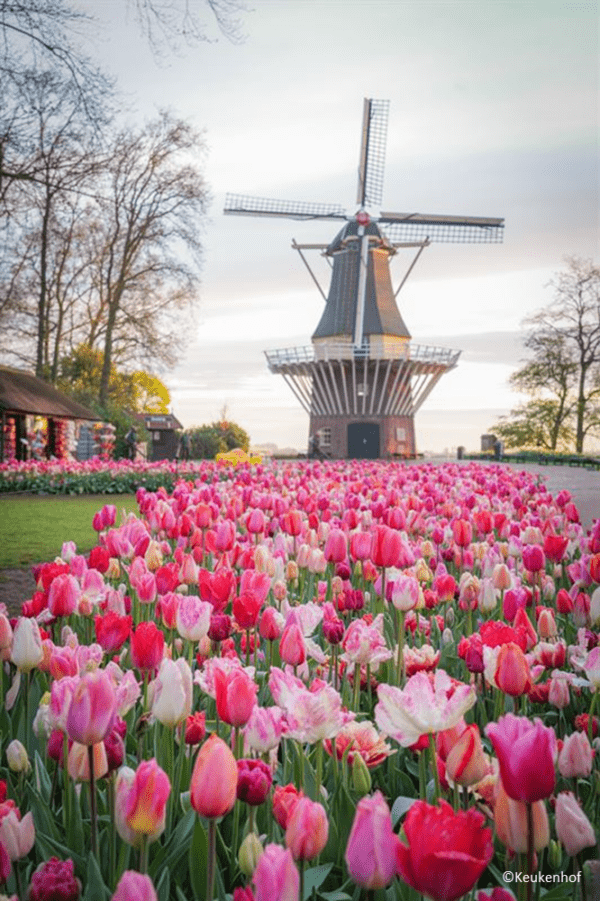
(314,878)
(42,779)
(95,890)
(163,886)
(400,806)
(198,858)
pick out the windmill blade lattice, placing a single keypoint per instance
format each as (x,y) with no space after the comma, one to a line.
(372,152)
(442,229)
(242,205)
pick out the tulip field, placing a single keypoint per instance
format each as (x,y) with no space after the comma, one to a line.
(325,680)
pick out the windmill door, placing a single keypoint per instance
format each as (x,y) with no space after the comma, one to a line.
(363,440)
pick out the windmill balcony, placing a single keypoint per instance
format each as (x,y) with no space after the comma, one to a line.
(347,350)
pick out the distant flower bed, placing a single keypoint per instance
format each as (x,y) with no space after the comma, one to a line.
(97,476)
(311,680)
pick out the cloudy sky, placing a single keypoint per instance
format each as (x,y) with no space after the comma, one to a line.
(493,112)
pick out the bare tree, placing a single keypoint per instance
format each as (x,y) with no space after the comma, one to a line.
(147,249)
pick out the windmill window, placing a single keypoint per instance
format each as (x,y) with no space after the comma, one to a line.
(325,437)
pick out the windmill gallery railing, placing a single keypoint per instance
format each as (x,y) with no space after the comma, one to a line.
(341,378)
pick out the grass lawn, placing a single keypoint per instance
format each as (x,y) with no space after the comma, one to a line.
(33,528)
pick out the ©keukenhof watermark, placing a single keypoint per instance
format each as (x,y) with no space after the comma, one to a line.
(541,878)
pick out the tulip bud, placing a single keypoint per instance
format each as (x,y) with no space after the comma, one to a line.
(361,777)
(214,779)
(555,854)
(250,853)
(16,757)
(576,756)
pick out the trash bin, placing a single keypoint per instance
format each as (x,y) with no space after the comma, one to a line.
(460,452)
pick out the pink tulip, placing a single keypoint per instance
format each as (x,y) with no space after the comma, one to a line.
(17,836)
(141,801)
(336,547)
(64,595)
(573,828)
(276,876)
(372,844)
(525,752)
(134,886)
(213,785)
(307,830)
(576,756)
(292,648)
(92,709)
(193,617)
(235,694)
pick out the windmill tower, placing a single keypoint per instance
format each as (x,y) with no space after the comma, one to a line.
(362,380)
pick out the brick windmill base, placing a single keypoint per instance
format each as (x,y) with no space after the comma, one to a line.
(362,403)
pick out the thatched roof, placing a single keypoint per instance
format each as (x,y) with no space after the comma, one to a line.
(21,392)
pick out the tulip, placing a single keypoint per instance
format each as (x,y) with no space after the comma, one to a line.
(195,728)
(193,617)
(147,646)
(214,779)
(424,706)
(134,886)
(512,670)
(92,709)
(64,595)
(27,650)
(254,781)
(17,836)
(285,798)
(336,547)
(372,844)
(386,546)
(173,687)
(78,763)
(525,752)
(446,852)
(576,756)
(147,799)
(510,820)
(112,630)
(307,830)
(292,648)
(55,879)
(16,757)
(235,694)
(467,762)
(250,853)
(276,876)
(573,828)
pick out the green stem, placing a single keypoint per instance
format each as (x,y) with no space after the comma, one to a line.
(144,855)
(591,717)
(356,697)
(530,849)
(436,775)
(93,824)
(211,863)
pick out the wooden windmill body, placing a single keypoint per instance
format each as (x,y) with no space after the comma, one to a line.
(362,380)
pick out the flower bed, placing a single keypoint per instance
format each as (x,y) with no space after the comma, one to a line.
(309,680)
(97,476)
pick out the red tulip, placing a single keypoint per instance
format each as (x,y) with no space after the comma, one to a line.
(285,798)
(386,546)
(112,630)
(246,609)
(214,779)
(525,752)
(254,781)
(147,646)
(55,879)
(446,852)
(512,670)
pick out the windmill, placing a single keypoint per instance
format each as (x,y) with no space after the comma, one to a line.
(362,380)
